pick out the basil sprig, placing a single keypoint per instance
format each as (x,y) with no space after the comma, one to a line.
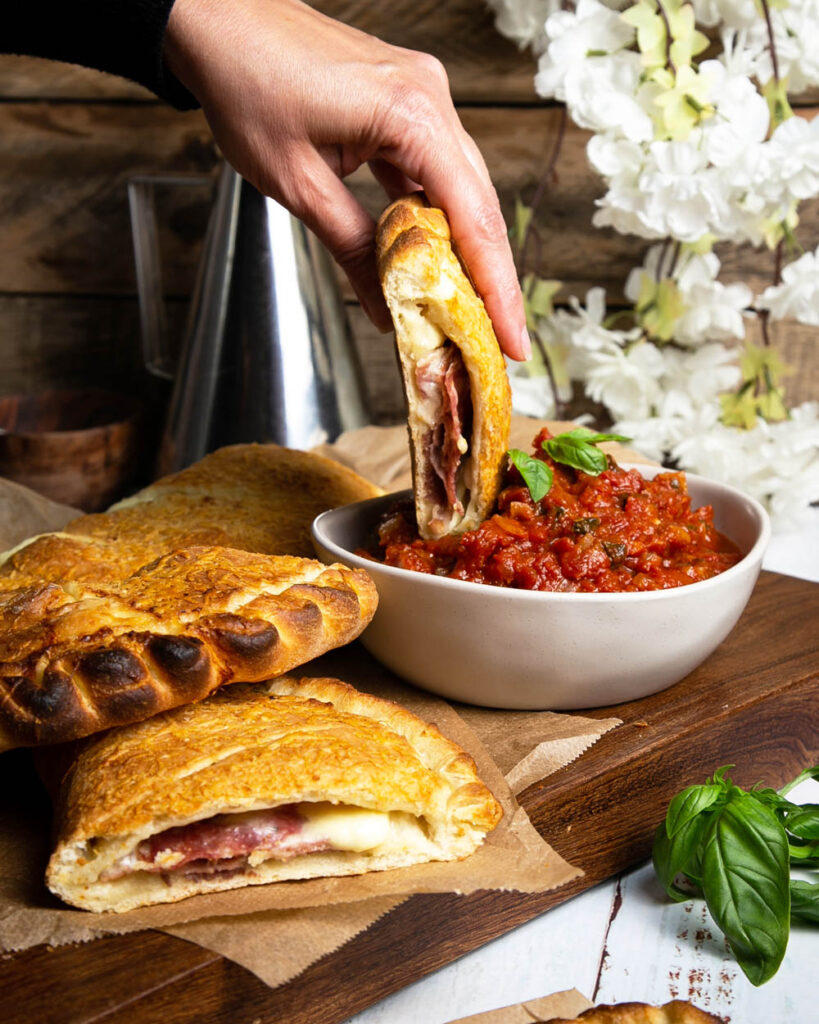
(735,848)
(536,474)
(577,448)
(573,448)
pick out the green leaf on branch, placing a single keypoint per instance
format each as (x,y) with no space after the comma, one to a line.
(739,410)
(659,306)
(775,92)
(538,293)
(523,215)
(651,32)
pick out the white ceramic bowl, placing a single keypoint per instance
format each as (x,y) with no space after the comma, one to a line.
(520,649)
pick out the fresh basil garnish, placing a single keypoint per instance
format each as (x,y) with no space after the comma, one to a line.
(536,474)
(805,901)
(745,881)
(577,448)
(735,849)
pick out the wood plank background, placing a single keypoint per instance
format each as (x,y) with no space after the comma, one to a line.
(71,138)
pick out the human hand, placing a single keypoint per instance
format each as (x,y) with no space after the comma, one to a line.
(297,101)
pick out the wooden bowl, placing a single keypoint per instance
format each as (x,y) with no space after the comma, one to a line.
(81,447)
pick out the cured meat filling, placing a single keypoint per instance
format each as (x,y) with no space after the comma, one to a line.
(221,844)
(443,384)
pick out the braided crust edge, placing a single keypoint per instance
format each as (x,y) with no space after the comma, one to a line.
(120,664)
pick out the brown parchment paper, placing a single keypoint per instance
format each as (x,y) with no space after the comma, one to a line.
(566,1004)
(513,856)
(277,934)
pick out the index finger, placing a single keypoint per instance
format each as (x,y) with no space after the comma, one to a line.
(450,173)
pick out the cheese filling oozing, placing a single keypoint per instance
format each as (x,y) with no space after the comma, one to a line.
(228,843)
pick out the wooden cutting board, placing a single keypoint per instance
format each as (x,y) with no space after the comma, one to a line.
(755,703)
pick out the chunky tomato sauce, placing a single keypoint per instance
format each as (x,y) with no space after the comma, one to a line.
(612,532)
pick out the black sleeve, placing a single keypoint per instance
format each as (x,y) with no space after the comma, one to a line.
(121,36)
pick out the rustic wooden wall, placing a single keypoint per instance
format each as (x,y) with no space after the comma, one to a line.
(71,138)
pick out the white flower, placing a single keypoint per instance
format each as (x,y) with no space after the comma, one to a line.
(714,310)
(583,329)
(798,294)
(524,21)
(656,435)
(600,93)
(733,13)
(777,463)
(676,194)
(794,28)
(615,157)
(531,396)
(701,373)
(741,117)
(626,382)
(793,154)
(572,35)
(739,53)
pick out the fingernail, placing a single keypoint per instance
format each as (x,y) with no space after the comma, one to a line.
(525,344)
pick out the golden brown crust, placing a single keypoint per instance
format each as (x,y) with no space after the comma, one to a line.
(158,601)
(431,300)
(288,741)
(73,662)
(676,1012)
(254,497)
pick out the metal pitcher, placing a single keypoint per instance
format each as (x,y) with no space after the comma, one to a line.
(268,354)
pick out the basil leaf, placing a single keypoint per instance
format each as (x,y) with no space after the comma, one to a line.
(806,855)
(576,448)
(805,901)
(677,854)
(745,883)
(687,804)
(808,773)
(536,474)
(803,821)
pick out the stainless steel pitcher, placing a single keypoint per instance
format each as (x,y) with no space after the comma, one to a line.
(268,354)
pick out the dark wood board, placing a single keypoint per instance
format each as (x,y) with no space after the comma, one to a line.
(753,703)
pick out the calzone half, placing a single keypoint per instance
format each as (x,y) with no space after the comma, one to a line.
(291,779)
(454,375)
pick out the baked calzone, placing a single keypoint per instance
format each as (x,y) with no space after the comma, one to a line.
(175,591)
(291,779)
(454,375)
(678,1011)
(80,656)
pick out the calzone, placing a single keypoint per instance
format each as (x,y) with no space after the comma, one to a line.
(454,375)
(291,779)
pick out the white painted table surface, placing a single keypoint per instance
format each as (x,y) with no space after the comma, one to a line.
(624,940)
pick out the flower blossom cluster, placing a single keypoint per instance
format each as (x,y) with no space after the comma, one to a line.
(729,176)
(690,153)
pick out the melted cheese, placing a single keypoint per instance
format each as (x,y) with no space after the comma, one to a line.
(347,828)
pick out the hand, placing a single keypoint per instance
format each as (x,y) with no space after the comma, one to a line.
(297,101)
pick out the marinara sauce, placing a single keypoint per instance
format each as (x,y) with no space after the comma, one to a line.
(612,532)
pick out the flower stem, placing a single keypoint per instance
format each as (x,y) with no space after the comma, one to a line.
(540,190)
(668,37)
(560,410)
(771,44)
